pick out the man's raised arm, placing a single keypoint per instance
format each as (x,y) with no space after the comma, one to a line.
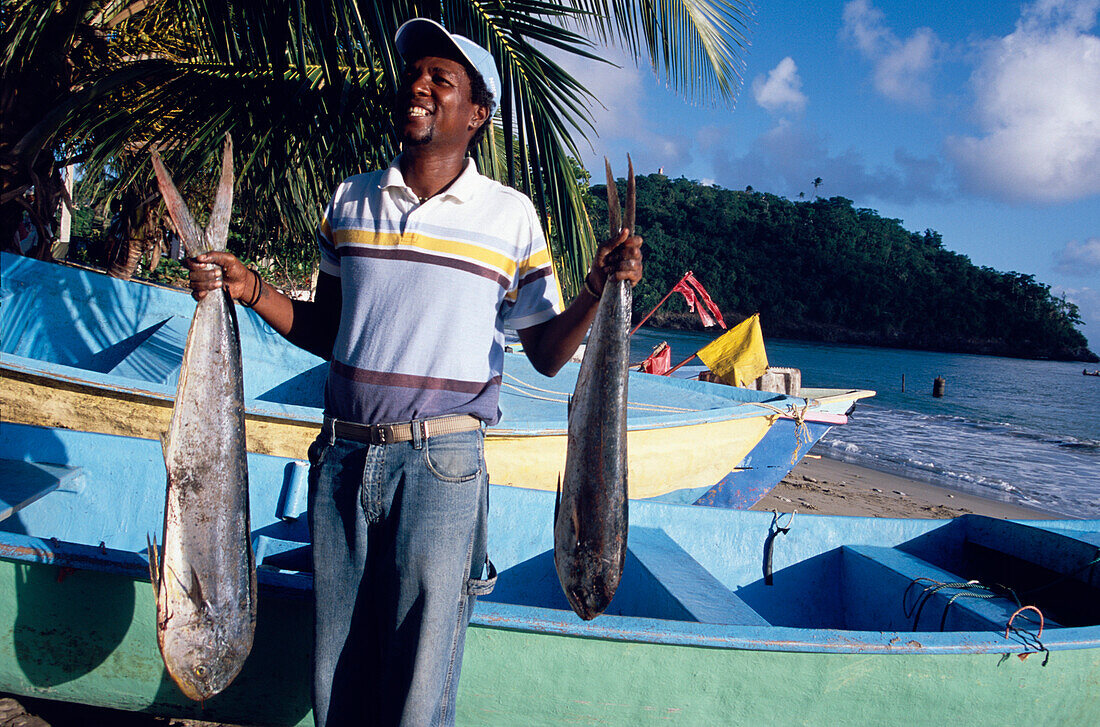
(311,325)
(550,345)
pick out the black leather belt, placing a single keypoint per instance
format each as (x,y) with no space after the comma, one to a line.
(403,431)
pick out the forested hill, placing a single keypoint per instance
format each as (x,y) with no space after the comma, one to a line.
(823,270)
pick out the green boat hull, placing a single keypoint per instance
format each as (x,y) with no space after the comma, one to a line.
(86,636)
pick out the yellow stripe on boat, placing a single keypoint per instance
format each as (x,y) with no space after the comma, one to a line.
(661,460)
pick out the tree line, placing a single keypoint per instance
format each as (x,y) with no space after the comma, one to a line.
(825,270)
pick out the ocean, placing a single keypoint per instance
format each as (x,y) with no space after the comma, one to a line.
(1016,430)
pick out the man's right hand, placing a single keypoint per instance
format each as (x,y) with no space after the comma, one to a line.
(213,270)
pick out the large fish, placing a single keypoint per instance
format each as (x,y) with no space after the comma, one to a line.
(590,520)
(205,575)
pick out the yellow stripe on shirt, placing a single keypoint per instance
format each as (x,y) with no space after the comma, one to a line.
(429,244)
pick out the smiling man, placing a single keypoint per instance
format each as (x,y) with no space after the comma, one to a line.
(422,266)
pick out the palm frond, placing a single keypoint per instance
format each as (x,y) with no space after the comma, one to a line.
(696,46)
(306,89)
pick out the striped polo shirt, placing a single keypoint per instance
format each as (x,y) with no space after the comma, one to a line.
(427,290)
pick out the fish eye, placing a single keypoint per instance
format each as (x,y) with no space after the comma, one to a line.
(200,671)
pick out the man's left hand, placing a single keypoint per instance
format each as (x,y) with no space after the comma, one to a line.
(620,258)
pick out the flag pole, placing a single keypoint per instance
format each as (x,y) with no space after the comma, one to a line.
(648,315)
(669,372)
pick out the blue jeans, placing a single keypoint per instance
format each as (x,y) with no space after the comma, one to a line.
(399,535)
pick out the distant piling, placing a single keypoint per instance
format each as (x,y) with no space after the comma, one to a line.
(903,383)
(939,387)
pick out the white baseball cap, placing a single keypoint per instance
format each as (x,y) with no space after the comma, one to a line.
(418,32)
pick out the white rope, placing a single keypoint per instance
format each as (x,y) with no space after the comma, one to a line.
(796,413)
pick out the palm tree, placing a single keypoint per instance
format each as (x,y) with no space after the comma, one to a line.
(306,89)
(55,52)
(42,46)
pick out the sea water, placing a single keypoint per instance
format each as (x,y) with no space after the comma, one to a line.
(1016,430)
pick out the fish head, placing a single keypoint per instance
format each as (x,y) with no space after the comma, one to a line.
(201,666)
(591,599)
(588,578)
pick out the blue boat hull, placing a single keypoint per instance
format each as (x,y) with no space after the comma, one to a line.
(688,440)
(693,593)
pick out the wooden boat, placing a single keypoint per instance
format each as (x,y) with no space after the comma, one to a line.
(82,351)
(853,628)
(787,441)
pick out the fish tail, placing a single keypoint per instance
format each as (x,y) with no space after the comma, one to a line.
(217,229)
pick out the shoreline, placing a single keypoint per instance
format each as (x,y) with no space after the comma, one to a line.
(834,335)
(824,486)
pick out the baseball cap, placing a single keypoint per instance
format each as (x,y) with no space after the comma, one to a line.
(420,32)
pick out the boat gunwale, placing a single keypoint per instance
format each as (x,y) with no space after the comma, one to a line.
(255,408)
(20,548)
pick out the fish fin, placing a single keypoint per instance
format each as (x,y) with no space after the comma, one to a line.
(182,220)
(614,218)
(195,592)
(154,563)
(217,229)
(557,499)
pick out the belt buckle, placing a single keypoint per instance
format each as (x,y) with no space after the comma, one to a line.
(381,434)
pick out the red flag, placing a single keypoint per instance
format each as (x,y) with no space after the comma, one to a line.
(659,361)
(689,295)
(698,300)
(703,296)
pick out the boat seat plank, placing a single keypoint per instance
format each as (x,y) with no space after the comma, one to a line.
(885,575)
(21,483)
(1059,551)
(696,590)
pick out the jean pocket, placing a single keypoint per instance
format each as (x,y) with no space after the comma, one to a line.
(455,457)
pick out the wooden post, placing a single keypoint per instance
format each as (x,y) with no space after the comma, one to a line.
(903,383)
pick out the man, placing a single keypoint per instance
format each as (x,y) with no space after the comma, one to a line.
(422,264)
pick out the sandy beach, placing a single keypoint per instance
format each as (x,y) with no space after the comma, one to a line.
(817,485)
(829,487)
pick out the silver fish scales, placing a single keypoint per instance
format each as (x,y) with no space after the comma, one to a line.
(590,519)
(205,575)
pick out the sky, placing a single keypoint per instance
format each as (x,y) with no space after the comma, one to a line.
(980,120)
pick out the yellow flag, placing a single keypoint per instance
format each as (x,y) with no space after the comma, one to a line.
(738,356)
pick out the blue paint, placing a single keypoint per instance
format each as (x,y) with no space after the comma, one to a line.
(21,483)
(784,445)
(295,496)
(76,325)
(691,570)
(881,573)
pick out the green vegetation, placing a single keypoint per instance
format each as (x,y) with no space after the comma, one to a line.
(306,89)
(824,270)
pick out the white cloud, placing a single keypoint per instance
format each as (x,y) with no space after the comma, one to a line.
(781,90)
(619,114)
(902,67)
(787,158)
(1037,102)
(1079,258)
